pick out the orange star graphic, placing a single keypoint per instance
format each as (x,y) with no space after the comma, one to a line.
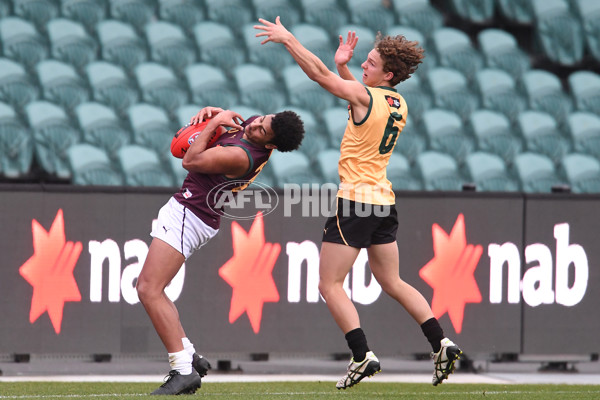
(249,272)
(50,271)
(451,272)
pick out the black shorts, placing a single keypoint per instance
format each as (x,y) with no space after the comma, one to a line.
(360,224)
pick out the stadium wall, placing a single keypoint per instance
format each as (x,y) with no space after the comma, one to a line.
(505,273)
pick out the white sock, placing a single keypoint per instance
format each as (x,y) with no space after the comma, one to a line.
(181,362)
(188,346)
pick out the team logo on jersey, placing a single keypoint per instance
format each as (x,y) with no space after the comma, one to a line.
(392,101)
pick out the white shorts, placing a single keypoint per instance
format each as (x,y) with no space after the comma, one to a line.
(180,228)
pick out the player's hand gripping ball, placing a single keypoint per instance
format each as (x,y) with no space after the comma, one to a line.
(184,137)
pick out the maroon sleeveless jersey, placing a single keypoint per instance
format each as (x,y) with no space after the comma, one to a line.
(200,193)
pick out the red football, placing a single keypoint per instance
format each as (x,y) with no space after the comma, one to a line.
(184,137)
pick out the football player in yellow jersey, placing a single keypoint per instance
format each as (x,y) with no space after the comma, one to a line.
(366,214)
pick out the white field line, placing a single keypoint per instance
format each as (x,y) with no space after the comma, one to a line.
(302,394)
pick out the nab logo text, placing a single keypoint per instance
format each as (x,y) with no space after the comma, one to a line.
(563,281)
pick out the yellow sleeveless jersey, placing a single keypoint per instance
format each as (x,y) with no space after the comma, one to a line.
(366,148)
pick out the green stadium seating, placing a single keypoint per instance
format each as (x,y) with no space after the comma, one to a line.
(450,90)
(245,111)
(416,97)
(335,119)
(370,13)
(61,84)
(558,31)
(498,92)
(411,141)
(419,14)
(582,172)
(135,12)
(16,86)
(217,45)
(518,11)
(475,11)
(589,15)
(493,134)
(257,87)
(209,86)
(501,50)
(70,43)
(445,133)
(536,173)
(398,172)
(327,161)
(151,128)
(5,8)
(53,134)
(584,87)
(91,166)
(305,93)
(543,91)
(86,12)
(270,9)
(183,13)
(100,126)
(21,42)
(37,11)
(233,13)
(325,13)
(16,145)
(292,168)
(273,56)
(169,45)
(120,44)
(438,171)
(584,131)
(141,166)
(111,86)
(541,135)
(488,172)
(159,86)
(455,50)
(316,40)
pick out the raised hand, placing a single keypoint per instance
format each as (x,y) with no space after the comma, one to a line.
(274,32)
(345,50)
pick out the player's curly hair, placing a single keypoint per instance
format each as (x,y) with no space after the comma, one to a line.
(400,56)
(288,129)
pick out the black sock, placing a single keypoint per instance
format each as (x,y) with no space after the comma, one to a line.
(433,332)
(357,341)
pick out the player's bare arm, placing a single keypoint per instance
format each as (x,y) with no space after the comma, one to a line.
(206,112)
(230,161)
(344,54)
(313,67)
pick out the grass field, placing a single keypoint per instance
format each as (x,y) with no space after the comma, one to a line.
(300,390)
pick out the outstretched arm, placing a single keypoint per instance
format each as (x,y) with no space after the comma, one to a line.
(313,67)
(344,54)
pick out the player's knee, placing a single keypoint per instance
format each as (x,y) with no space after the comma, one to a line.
(390,285)
(326,288)
(145,290)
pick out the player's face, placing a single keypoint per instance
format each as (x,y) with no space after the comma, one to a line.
(373,74)
(259,131)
